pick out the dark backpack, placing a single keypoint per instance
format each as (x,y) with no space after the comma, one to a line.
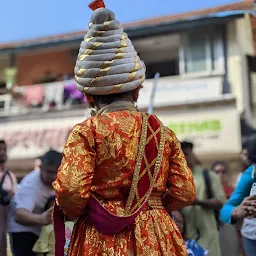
(209,193)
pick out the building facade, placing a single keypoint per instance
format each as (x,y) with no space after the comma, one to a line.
(206,85)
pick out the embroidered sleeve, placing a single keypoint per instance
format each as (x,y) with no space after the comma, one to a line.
(180,185)
(75,174)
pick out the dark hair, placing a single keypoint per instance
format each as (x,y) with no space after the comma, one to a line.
(222,163)
(252,150)
(108,99)
(3,142)
(48,203)
(245,144)
(52,157)
(186,145)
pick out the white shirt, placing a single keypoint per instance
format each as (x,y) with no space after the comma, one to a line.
(32,195)
(249,225)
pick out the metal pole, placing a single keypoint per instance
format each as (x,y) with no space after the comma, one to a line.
(153,93)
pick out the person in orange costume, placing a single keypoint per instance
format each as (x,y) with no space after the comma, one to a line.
(122,171)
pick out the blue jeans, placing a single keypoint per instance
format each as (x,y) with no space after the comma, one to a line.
(249,246)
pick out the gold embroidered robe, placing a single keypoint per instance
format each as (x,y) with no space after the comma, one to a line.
(99,158)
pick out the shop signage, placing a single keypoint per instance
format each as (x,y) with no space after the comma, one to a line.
(31,139)
(215,130)
(212,130)
(171,91)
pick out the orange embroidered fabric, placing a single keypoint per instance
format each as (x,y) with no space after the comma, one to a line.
(100,157)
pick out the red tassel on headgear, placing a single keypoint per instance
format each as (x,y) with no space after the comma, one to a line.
(96,4)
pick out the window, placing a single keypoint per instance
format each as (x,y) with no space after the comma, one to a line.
(160,54)
(202,51)
(165,68)
(196,52)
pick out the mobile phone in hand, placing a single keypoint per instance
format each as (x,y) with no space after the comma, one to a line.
(253,189)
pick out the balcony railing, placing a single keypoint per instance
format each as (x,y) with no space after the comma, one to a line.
(41,98)
(171,90)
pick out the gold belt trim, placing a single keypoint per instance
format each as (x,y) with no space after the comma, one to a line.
(155,202)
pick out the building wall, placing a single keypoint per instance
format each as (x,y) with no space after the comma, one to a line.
(234,64)
(253,29)
(4,60)
(253,74)
(32,66)
(239,44)
(208,125)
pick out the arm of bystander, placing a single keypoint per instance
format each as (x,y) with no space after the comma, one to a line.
(235,207)
(218,194)
(26,199)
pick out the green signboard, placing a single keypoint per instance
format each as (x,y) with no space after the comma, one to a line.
(183,128)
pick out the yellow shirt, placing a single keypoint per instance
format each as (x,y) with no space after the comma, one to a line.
(45,244)
(201,222)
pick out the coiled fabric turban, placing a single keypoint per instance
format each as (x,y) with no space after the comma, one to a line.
(107,62)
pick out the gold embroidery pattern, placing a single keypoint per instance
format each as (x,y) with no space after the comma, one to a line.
(157,162)
(133,190)
(90,50)
(82,171)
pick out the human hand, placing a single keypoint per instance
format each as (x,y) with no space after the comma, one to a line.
(246,209)
(46,217)
(197,202)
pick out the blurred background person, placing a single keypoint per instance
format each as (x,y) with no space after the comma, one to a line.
(45,245)
(8,187)
(201,220)
(30,200)
(193,248)
(221,169)
(12,225)
(246,163)
(228,236)
(242,203)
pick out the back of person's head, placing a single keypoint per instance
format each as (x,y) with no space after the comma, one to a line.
(52,157)
(50,163)
(252,150)
(187,148)
(2,142)
(187,145)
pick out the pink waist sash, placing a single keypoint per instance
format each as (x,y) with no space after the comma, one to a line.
(106,222)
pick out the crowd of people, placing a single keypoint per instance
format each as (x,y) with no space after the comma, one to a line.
(26,210)
(124,184)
